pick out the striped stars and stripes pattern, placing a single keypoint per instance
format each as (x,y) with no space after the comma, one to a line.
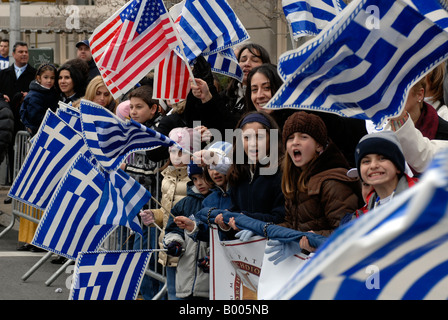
(131,42)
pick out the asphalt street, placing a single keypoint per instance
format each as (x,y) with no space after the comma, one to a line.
(15,264)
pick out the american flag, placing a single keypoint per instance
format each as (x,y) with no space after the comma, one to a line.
(308,18)
(111,140)
(112,275)
(131,42)
(172,74)
(171,79)
(199,17)
(55,147)
(67,226)
(121,201)
(398,251)
(358,70)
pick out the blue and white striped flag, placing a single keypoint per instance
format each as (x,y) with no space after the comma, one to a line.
(363,65)
(111,140)
(121,201)
(309,17)
(113,275)
(70,115)
(397,251)
(209,26)
(225,62)
(55,147)
(67,226)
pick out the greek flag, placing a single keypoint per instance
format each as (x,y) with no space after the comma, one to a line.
(226,63)
(209,26)
(112,275)
(309,17)
(397,251)
(364,62)
(111,140)
(67,226)
(121,201)
(55,147)
(70,115)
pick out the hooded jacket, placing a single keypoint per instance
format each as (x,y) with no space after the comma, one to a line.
(174,188)
(190,279)
(35,105)
(331,194)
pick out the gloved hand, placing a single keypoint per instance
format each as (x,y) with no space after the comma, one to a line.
(283,250)
(204,264)
(174,249)
(244,235)
(147,217)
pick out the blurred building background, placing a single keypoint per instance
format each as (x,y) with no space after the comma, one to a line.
(55,26)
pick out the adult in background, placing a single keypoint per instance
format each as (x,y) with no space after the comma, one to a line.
(261,85)
(15,80)
(83,53)
(4,54)
(72,80)
(14,86)
(232,98)
(6,128)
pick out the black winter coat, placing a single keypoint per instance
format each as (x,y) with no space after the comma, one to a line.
(6,127)
(36,103)
(260,197)
(13,88)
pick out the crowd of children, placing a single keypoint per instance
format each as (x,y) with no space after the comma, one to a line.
(290,168)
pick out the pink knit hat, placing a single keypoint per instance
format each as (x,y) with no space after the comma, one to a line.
(187,138)
(123,110)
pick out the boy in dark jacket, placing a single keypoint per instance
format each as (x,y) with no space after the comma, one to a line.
(192,281)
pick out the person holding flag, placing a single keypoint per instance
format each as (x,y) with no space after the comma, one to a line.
(174,188)
(318,192)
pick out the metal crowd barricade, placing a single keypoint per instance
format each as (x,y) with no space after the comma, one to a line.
(19,209)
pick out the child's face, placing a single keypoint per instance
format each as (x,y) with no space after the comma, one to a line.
(218,178)
(140,111)
(179,158)
(200,183)
(255,141)
(302,148)
(376,171)
(102,96)
(47,79)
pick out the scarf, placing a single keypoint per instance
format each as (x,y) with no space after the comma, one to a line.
(428,122)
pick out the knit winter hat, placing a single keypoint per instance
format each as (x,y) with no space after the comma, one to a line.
(223,150)
(187,138)
(306,123)
(193,169)
(384,143)
(122,110)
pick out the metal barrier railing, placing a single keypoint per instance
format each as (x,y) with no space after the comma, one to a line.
(19,209)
